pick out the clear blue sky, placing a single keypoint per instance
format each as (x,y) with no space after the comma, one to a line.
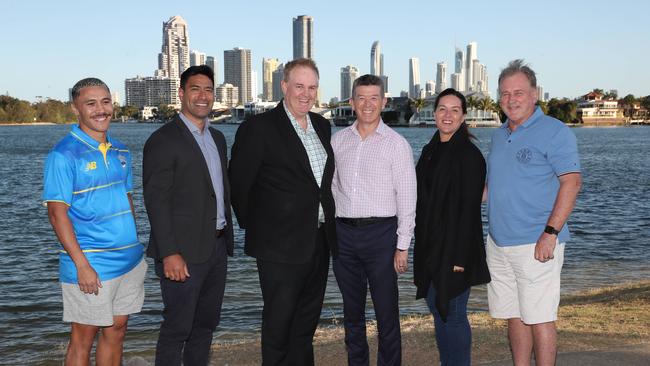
(573,46)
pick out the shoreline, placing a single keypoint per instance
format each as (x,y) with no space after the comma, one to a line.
(31,123)
(590,320)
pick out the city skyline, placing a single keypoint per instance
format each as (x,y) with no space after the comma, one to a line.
(582,49)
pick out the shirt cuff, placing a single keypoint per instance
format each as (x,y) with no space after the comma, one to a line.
(403,243)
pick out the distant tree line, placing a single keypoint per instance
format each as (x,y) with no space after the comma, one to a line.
(20,111)
(14,110)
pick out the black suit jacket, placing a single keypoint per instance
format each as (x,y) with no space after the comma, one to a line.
(274,193)
(178,194)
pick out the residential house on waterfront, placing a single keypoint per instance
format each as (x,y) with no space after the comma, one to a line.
(593,110)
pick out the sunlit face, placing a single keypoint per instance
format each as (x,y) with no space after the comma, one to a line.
(517,98)
(94,110)
(300,91)
(449,116)
(197,98)
(368,103)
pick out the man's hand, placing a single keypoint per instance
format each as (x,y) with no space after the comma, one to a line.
(88,280)
(459,269)
(175,268)
(545,247)
(400,261)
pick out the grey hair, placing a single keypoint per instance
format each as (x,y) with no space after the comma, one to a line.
(518,66)
(85,83)
(368,80)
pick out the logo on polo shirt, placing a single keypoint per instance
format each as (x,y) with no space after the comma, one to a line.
(524,155)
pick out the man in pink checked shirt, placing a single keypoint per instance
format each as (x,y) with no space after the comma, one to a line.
(374,188)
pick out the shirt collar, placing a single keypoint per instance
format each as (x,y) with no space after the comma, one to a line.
(381,129)
(294,121)
(191,126)
(81,135)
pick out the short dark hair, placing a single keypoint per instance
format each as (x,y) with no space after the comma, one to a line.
(463,129)
(84,83)
(368,80)
(303,62)
(518,66)
(196,70)
(454,92)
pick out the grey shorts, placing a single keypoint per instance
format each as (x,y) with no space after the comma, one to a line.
(122,295)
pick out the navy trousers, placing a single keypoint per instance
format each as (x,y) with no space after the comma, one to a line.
(366,256)
(192,310)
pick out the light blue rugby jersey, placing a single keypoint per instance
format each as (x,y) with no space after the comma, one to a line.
(95,185)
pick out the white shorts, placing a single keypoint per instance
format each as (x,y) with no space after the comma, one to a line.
(523,287)
(122,295)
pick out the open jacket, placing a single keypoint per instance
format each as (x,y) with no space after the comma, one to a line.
(448,226)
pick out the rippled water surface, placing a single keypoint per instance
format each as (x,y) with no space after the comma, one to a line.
(610,225)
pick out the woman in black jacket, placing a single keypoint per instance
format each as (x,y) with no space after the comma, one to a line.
(449,254)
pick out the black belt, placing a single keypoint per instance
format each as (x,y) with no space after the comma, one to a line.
(362,221)
(219,232)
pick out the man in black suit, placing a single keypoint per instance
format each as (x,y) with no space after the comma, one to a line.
(187,196)
(281,172)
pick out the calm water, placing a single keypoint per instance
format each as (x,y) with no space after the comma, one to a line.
(611,231)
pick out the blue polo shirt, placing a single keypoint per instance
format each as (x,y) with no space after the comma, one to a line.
(93,179)
(523,171)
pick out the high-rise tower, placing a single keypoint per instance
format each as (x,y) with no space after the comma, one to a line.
(212,62)
(458,81)
(237,71)
(268,66)
(414,77)
(441,77)
(174,57)
(470,56)
(197,58)
(348,75)
(376,59)
(303,33)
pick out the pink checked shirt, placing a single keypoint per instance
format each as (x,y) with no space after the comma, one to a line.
(375,177)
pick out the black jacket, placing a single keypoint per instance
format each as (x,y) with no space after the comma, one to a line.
(274,194)
(448,226)
(178,194)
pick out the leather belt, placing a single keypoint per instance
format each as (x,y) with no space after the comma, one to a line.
(220,232)
(362,221)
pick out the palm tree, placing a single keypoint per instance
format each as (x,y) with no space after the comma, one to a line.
(418,104)
(486,104)
(472,102)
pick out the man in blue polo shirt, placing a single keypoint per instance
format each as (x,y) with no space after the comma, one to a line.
(87,190)
(533,180)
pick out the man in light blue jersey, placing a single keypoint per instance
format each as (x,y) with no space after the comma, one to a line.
(87,190)
(533,180)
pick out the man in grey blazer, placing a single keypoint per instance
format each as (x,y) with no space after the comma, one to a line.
(187,196)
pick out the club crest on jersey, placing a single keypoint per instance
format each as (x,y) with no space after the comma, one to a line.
(122,160)
(91,165)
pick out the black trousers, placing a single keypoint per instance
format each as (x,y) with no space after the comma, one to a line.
(366,256)
(293,297)
(192,310)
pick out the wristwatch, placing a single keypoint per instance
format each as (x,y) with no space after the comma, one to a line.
(551,230)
